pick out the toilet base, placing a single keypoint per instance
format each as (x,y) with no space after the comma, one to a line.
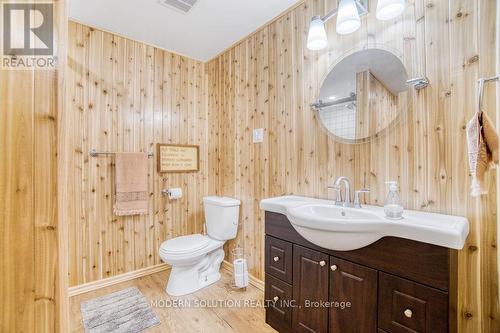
(187,279)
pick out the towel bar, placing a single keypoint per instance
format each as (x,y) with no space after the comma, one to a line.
(95,153)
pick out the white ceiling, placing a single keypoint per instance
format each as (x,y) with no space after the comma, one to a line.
(207,29)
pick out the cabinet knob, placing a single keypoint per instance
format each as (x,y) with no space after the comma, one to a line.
(408,313)
(276,298)
(322,263)
(276,258)
(333,267)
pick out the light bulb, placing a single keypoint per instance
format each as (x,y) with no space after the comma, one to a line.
(389,9)
(316,38)
(348,19)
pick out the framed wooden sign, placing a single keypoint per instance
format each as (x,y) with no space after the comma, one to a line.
(178,158)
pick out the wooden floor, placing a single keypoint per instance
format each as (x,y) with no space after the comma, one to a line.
(186,320)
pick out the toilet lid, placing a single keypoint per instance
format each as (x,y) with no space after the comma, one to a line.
(188,243)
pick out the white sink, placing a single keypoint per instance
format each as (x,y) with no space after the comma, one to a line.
(344,229)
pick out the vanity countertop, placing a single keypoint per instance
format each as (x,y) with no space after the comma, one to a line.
(438,229)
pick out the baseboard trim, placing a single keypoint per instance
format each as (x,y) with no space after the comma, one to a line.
(259,284)
(94,285)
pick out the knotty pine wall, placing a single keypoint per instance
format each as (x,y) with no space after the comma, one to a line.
(269,79)
(33,296)
(128,96)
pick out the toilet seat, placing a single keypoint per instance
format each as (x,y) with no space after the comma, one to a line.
(186,250)
(185,244)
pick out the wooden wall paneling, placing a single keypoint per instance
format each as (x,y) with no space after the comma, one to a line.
(274,134)
(168,102)
(243,174)
(137,145)
(45,198)
(115,91)
(128,96)
(147,93)
(120,93)
(409,145)
(437,46)
(17,229)
(158,201)
(64,164)
(106,165)
(127,112)
(175,134)
(191,122)
(463,32)
(93,57)
(248,150)
(75,105)
(212,81)
(33,297)
(112,250)
(261,158)
(487,40)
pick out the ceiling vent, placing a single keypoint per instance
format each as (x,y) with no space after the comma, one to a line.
(183,6)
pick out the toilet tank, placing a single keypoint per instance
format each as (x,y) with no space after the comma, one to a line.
(221,217)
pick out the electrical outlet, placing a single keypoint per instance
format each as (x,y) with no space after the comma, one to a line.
(258,135)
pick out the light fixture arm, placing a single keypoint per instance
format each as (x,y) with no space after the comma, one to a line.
(362,9)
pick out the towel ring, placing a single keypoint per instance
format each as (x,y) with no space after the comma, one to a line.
(480,88)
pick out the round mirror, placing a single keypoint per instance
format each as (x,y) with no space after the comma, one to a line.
(362,95)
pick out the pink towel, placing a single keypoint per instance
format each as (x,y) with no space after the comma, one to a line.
(131,184)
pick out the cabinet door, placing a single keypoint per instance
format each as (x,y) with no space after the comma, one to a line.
(310,290)
(357,285)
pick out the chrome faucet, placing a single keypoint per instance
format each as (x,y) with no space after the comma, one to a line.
(346,202)
(347,191)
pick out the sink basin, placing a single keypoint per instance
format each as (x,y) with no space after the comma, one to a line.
(343,229)
(334,227)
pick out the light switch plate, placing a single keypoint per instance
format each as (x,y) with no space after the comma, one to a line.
(258,135)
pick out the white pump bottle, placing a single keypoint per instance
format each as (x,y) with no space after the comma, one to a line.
(393,206)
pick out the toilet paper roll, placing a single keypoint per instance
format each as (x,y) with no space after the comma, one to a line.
(240,273)
(240,266)
(175,193)
(241,280)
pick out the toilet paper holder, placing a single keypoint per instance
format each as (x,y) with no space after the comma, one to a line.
(240,271)
(168,193)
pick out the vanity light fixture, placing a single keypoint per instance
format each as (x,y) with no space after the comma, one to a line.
(389,9)
(348,15)
(348,19)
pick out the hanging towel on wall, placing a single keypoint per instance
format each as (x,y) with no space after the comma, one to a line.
(131,184)
(482,142)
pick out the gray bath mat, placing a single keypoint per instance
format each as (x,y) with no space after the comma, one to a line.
(125,311)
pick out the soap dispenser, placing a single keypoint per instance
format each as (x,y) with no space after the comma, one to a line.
(393,207)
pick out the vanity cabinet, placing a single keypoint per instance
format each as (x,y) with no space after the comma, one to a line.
(392,286)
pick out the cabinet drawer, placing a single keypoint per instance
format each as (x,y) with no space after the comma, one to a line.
(279,259)
(278,296)
(405,306)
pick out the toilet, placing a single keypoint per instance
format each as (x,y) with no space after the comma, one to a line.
(196,259)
